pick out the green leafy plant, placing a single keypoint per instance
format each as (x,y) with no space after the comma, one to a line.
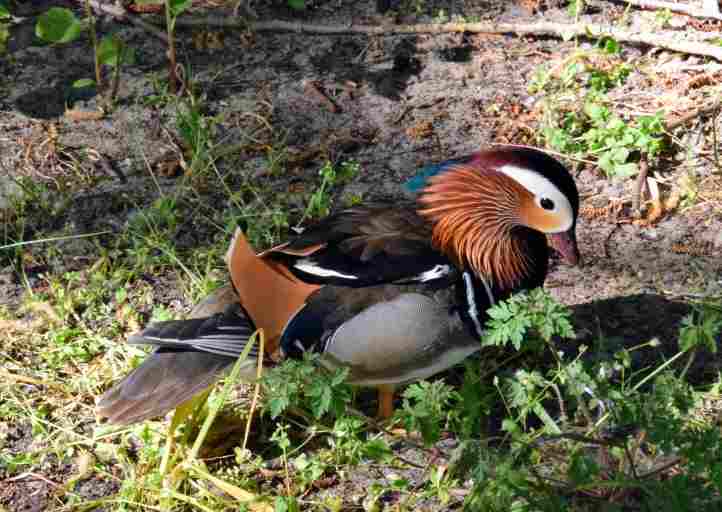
(656,401)
(701,328)
(510,320)
(662,17)
(319,204)
(173,9)
(196,131)
(114,53)
(349,445)
(59,25)
(305,385)
(417,7)
(4,11)
(577,119)
(576,7)
(427,407)
(612,140)
(441,16)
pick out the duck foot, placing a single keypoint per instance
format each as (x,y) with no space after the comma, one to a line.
(386,402)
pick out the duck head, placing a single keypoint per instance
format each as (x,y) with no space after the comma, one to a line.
(485,208)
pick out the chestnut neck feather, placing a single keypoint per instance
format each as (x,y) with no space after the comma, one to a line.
(475,222)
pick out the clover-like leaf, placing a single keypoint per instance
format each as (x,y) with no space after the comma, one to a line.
(58,25)
(178,6)
(82,84)
(4,11)
(111,51)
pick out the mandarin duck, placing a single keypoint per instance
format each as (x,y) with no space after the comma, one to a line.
(393,292)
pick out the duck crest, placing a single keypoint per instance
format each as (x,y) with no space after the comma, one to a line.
(474,212)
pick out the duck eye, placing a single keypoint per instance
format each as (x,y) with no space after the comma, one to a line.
(547,203)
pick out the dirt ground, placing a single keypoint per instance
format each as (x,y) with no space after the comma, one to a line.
(401,102)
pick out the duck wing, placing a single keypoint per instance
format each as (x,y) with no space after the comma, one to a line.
(365,246)
(190,356)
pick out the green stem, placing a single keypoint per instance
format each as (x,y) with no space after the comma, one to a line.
(120,52)
(94,39)
(170,26)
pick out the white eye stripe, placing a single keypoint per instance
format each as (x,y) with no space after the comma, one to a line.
(541,187)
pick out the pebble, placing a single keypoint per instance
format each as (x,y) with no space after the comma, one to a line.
(651,234)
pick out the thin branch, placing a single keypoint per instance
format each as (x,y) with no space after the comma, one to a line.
(690,10)
(170,30)
(94,39)
(709,108)
(36,476)
(122,14)
(661,468)
(640,187)
(573,436)
(560,30)
(630,459)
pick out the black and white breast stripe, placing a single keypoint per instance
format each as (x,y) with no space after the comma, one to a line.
(473,310)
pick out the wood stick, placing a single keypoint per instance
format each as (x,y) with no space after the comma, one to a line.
(639,188)
(702,111)
(711,10)
(560,30)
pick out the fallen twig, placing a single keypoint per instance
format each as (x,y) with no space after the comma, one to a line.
(661,468)
(690,10)
(701,111)
(639,188)
(76,114)
(22,379)
(561,30)
(35,476)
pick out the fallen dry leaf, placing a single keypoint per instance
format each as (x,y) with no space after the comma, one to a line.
(672,201)
(655,212)
(421,130)
(208,40)
(241,495)
(84,115)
